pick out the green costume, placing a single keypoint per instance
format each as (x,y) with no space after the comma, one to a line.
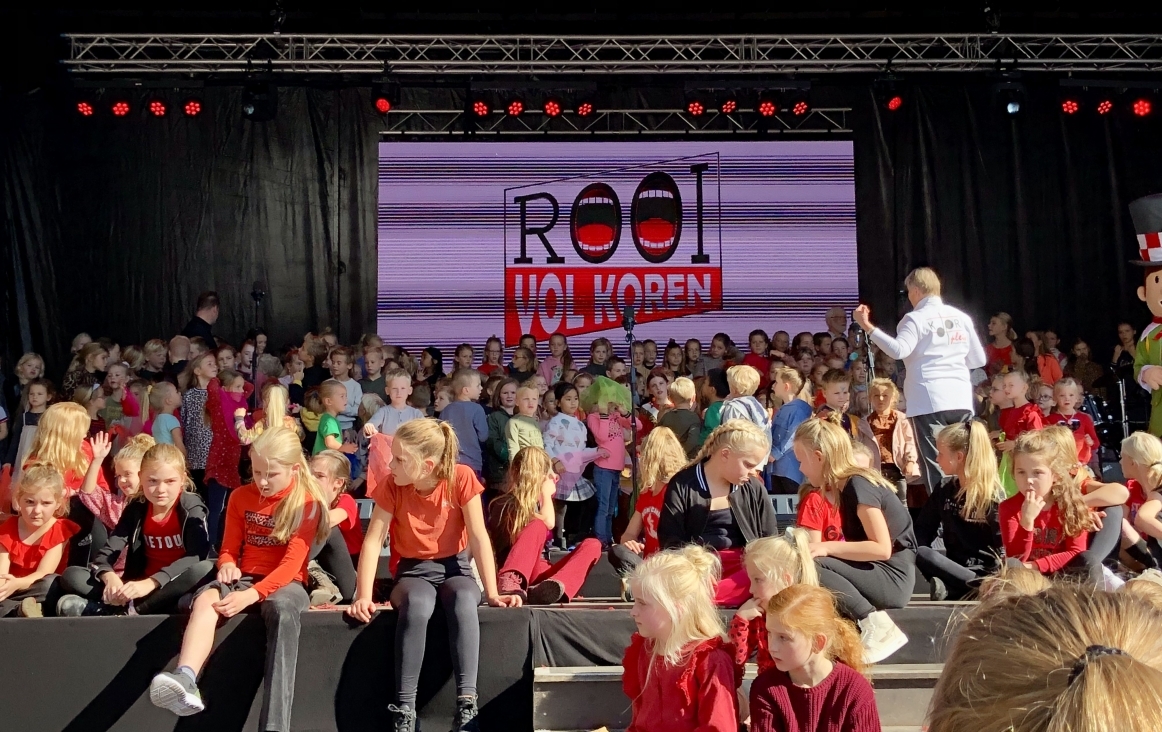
(1149,353)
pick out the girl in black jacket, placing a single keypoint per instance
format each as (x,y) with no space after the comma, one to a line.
(965,504)
(163,534)
(720,502)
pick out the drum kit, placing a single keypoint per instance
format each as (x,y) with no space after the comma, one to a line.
(1112,422)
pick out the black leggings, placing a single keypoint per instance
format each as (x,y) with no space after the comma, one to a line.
(333,557)
(955,575)
(45,590)
(1102,544)
(85,544)
(80,581)
(864,587)
(419,583)
(623,560)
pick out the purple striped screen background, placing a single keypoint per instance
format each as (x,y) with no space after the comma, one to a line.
(778,220)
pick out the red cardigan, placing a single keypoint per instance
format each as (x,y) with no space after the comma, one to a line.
(697,696)
(842,702)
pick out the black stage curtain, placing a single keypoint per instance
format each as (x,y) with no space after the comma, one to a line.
(114,228)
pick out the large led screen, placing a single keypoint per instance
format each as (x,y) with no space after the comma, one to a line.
(481,238)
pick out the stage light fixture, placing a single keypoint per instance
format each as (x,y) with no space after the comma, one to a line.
(894,103)
(515,107)
(192,107)
(382,104)
(158,107)
(586,108)
(889,93)
(553,107)
(798,103)
(480,107)
(1070,105)
(385,97)
(1010,96)
(1142,106)
(766,107)
(1104,106)
(728,104)
(85,108)
(695,108)
(260,102)
(119,108)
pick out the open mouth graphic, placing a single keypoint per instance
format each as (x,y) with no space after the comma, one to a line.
(595,223)
(656,217)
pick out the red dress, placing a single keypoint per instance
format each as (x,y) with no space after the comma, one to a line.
(697,696)
(225,448)
(25,558)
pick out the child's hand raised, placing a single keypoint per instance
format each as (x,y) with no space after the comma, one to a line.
(101,445)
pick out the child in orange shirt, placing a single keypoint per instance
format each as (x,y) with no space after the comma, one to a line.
(270,526)
(432,507)
(34,543)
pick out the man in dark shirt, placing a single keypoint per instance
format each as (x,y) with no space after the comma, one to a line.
(202,323)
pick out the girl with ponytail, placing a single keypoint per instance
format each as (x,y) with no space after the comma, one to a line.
(818,669)
(1142,467)
(678,672)
(965,504)
(720,502)
(432,507)
(270,526)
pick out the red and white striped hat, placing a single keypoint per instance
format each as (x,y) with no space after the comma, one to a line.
(1147,215)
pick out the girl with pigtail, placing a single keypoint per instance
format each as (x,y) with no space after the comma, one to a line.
(965,505)
(433,510)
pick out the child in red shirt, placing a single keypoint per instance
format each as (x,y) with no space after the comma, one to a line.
(270,525)
(1067,395)
(817,682)
(661,457)
(818,513)
(1023,416)
(33,543)
(759,357)
(678,671)
(1142,468)
(225,394)
(339,555)
(1044,526)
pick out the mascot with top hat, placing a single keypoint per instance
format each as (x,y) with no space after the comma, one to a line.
(1147,215)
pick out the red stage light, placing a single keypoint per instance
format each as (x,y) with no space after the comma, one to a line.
(552,107)
(767,108)
(382,105)
(192,108)
(1070,106)
(515,108)
(480,108)
(1142,107)
(1105,106)
(695,108)
(800,108)
(729,106)
(157,108)
(85,109)
(120,109)
(584,109)
(895,103)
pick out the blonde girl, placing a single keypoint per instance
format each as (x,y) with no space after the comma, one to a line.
(60,442)
(521,519)
(85,369)
(999,351)
(566,437)
(37,395)
(965,505)
(161,537)
(890,431)
(523,430)
(29,368)
(678,672)
(431,506)
(154,352)
(337,557)
(275,412)
(34,544)
(165,428)
(818,668)
(1044,526)
(1067,658)
(874,568)
(720,502)
(661,458)
(1142,468)
(270,526)
(788,386)
(197,434)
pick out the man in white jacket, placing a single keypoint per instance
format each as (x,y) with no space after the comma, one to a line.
(938,345)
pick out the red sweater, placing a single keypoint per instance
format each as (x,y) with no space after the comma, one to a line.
(1015,421)
(247,543)
(842,702)
(697,696)
(1082,425)
(1046,546)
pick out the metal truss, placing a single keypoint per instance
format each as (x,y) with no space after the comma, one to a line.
(615,122)
(412,54)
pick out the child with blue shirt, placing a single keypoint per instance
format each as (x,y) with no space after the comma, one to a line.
(785,473)
(467,418)
(397,411)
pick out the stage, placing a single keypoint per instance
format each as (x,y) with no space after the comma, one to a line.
(91,674)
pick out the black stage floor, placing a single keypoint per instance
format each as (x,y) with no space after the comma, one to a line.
(90,674)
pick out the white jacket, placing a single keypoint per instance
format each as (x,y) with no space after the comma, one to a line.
(938,345)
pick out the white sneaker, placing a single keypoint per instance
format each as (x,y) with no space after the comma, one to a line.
(880,637)
(1110,581)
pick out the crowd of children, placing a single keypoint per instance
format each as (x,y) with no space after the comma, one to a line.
(193,474)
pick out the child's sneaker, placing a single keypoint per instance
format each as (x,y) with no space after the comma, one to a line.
(30,608)
(325,591)
(880,637)
(549,592)
(176,692)
(71,606)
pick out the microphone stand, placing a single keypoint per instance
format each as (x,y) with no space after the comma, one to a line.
(627,322)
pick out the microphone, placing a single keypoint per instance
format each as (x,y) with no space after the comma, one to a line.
(857,335)
(627,322)
(258,292)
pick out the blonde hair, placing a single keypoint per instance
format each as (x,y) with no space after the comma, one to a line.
(187,379)
(1148,586)
(681,582)
(36,478)
(1008,321)
(1068,659)
(337,467)
(26,358)
(136,448)
(330,388)
(736,435)
(62,429)
(82,356)
(275,399)
(153,347)
(682,391)
(158,393)
(1045,445)
(981,488)
(463,378)
(743,379)
(838,459)
(1067,382)
(660,459)
(1010,581)
(281,445)
(881,382)
(925,280)
(789,554)
(85,394)
(165,454)
(1146,450)
(429,439)
(524,486)
(810,610)
(788,375)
